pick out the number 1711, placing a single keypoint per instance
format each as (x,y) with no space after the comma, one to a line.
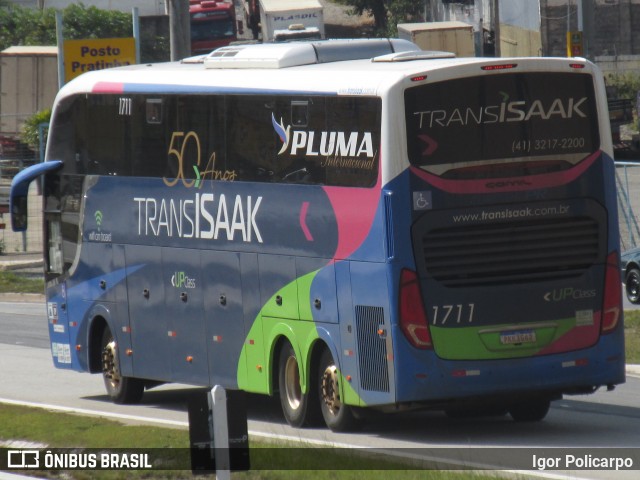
(453,313)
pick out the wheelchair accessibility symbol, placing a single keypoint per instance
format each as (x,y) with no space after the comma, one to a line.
(421,200)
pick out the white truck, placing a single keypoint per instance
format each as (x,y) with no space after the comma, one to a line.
(282,20)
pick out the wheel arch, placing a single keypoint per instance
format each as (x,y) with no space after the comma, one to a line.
(100,320)
(308,349)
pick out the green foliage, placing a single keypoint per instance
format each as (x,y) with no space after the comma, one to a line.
(31,128)
(403,11)
(25,26)
(22,26)
(91,22)
(632,336)
(12,283)
(627,84)
(387,13)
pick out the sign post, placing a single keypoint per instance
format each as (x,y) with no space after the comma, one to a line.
(218,432)
(79,56)
(82,56)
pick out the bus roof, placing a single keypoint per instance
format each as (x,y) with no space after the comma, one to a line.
(303,67)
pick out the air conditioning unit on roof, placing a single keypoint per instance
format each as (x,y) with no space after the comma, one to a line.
(268,55)
(282,55)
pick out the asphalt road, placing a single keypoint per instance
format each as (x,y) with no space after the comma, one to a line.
(605,419)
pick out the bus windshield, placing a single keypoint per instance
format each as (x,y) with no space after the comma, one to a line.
(496,119)
(217,27)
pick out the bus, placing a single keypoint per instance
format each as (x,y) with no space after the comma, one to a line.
(352,226)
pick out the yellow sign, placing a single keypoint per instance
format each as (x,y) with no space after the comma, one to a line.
(574,44)
(82,56)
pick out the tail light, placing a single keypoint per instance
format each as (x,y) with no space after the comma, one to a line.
(413,318)
(612,303)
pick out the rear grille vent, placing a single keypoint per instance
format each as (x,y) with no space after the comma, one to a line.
(372,349)
(507,253)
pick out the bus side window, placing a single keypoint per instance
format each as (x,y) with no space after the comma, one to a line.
(252,143)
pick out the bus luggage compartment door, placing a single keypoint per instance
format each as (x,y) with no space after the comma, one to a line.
(148,319)
(184,305)
(224,316)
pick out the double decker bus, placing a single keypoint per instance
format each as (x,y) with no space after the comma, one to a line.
(347,225)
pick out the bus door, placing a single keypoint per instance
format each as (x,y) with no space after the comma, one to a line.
(60,249)
(58,319)
(183,287)
(149,323)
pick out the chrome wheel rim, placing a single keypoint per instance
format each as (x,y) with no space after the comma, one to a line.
(633,287)
(110,369)
(292,383)
(331,389)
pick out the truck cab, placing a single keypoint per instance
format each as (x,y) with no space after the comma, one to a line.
(213,25)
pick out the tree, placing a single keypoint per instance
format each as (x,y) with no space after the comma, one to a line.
(31,128)
(387,13)
(25,26)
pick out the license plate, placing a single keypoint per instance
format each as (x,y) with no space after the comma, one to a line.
(512,338)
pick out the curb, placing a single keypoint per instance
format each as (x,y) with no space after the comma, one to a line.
(633,370)
(20,264)
(23,297)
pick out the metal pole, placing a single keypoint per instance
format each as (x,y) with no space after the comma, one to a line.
(580,22)
(179,29)
(221,433)
(496,27)
(42,143)
(60,42)
(135,18)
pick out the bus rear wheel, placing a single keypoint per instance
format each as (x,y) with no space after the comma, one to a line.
(119,388)
(338,416)
(299,409)
(530,410)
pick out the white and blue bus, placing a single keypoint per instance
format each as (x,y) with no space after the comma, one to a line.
(345,224)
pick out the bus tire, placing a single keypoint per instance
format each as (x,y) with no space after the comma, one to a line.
(530,410)
(299,409)
(338,416)
(632,285)
(123,390)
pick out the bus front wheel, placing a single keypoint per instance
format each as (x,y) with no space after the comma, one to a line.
(338,416)
(119,388)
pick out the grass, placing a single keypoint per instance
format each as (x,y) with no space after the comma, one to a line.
(632,336)
(12,283)
(58,430)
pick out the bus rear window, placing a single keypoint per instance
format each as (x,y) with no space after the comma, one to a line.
(488,123)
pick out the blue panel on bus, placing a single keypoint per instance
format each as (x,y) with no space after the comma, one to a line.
(105,87)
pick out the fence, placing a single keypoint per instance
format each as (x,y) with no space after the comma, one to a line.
(628,184)
(10,241)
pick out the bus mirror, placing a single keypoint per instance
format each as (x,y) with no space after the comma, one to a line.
(20,189)
(19,213)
